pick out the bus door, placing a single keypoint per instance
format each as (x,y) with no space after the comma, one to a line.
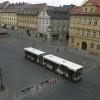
(59,71)
(65,71)
(35,57)
(41,59)
(55,66)
(47,64)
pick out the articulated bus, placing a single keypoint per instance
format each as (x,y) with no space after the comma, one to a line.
(65,68)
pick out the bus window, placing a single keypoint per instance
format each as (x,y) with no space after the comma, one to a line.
(54,65)
(64,68)
(31,56)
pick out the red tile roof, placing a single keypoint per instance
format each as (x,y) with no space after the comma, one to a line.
(79,9)
(96,2)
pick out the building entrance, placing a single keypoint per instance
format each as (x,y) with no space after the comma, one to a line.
(84,45)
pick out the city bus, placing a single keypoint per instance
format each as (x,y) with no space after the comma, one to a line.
(63,67)
(34,54)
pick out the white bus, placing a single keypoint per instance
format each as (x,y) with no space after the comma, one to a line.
(63,67)
(34,54)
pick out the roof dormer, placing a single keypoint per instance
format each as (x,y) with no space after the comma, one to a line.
(89,7)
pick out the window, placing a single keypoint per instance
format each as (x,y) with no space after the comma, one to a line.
(90,21)
(46,21)
(72,31)
(91,9)
(95,21)
(98,47)
(43,13)
(72,40)
(84,21)
(85,9)
(92,45)
(83,32)
(43,20)
(78,31)
(79,19)
(88,33)
(43,28)
(94,33)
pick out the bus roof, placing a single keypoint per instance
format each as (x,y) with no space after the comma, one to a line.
(58,60)
(34,51)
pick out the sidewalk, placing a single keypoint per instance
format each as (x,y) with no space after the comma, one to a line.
(4,94)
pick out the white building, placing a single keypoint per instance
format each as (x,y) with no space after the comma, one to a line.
(43,24)
(53,23)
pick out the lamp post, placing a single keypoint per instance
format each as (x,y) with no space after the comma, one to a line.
(1,83)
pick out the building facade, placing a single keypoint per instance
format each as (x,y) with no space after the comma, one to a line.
(28,19)
(9,15)
(2,8)
(53,23)
(27,23)
(43,24)
(84,31)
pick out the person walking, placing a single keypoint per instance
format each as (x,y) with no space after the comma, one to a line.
(57,49)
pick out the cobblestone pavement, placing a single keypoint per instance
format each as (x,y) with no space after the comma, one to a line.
(19,73)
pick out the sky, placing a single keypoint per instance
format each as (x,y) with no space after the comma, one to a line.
(49,2)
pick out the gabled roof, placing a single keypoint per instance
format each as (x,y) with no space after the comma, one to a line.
(4,4)
(96,2)
(14,7)
(79,9)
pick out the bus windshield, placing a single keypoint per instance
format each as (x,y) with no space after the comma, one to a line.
(78,72)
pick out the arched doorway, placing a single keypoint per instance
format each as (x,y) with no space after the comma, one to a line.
(84,45)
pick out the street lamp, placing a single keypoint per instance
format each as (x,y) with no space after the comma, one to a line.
(1,83)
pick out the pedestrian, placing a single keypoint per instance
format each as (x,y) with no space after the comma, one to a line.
(57,50)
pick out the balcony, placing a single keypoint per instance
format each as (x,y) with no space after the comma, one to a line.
(85,37)
(90,27)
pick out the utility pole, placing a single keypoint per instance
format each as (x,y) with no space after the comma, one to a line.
(1,83)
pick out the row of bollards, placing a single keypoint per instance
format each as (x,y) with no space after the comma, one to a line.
(37,88)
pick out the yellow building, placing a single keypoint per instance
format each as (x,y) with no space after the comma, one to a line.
(9,20)
(9,15)
(28,19)
(2,8)
(84,31)
(27,23)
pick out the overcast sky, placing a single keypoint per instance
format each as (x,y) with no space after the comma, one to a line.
(50,2)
